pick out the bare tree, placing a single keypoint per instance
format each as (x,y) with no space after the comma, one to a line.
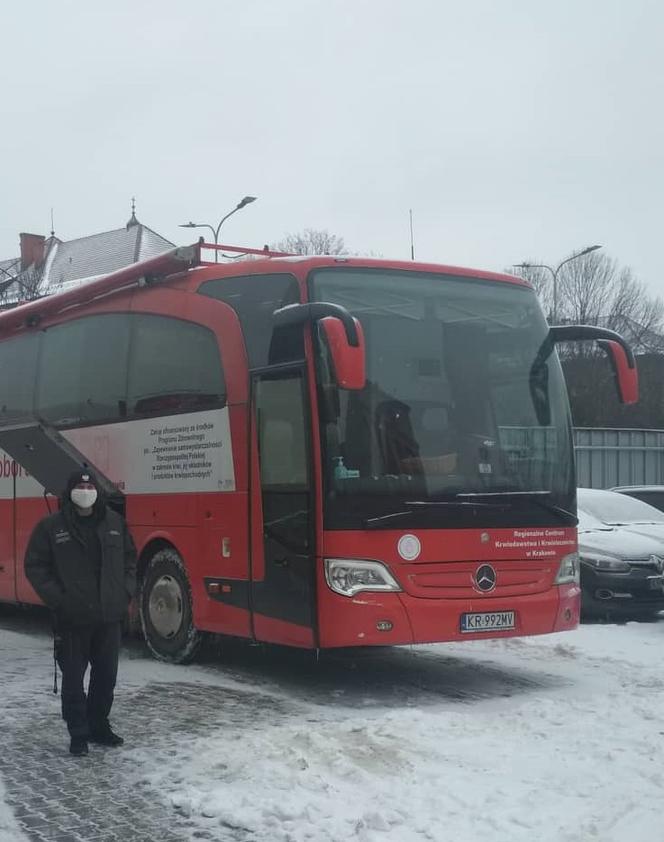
(595,290)
(30,284)
(312,241)
(20,287)
(539,278)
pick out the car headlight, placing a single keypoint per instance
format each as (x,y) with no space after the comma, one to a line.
(658,562)
(609,564)
(347,576)
(568,572)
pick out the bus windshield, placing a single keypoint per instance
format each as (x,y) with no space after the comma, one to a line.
(461,422)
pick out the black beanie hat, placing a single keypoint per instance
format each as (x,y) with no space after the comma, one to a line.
(84,475)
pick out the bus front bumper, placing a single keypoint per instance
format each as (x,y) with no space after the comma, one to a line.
(388,619)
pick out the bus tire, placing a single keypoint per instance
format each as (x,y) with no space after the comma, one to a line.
(165,609)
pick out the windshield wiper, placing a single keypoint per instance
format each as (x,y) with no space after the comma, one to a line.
(430,504)
(534,496)
(371,520)
(434,504)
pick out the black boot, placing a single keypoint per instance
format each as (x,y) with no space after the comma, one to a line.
(107,737)
(78,746)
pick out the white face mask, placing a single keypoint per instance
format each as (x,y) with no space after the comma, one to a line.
(84,498)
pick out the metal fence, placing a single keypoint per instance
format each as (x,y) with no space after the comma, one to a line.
(608,457)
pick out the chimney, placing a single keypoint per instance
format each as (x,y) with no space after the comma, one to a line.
(32,250)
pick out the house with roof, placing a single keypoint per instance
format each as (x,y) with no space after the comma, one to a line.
(48,265)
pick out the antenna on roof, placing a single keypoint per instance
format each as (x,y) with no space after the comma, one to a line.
(52,225)
(412,242)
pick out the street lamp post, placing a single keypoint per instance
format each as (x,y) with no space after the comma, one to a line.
(215,231)
(554,274)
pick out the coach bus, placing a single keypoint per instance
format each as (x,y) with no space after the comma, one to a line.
(311,451)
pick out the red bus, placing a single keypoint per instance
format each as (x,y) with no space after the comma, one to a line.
(311,451)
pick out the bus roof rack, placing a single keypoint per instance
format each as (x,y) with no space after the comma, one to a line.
(136,274)
(144,273)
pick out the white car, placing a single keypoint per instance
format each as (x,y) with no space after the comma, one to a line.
(614,509)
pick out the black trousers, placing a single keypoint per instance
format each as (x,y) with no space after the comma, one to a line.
(99,647)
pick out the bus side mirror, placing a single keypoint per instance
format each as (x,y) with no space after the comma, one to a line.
(343,333)
(619,352)
(348,361)
(627,377)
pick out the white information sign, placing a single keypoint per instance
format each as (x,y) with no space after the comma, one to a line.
(177,453)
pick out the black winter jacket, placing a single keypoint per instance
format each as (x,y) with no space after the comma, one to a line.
(60,570)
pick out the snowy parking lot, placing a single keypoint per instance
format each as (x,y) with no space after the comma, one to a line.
(552,739)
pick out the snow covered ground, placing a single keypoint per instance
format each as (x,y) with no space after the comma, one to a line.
(553,739)
(557,738)
(9,829)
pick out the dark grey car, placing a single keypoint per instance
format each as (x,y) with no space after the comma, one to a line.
(622,572)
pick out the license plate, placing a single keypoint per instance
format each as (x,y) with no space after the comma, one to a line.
(487,621)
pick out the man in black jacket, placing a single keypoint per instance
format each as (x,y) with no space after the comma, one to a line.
(82,563)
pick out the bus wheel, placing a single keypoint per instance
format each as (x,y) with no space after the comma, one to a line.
(165,608)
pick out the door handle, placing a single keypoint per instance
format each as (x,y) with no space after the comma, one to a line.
(281,562)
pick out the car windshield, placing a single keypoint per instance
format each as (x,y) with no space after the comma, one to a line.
(613,508)
(458,400)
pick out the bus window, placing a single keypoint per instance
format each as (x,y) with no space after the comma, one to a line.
(254,299)
(83,370)
(18,369)
(282,434)
(174,367)
(284,461)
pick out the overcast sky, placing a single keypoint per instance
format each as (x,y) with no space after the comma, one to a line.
(514,129)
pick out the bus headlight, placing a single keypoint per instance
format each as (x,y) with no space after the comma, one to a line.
(347,576)
(568,572)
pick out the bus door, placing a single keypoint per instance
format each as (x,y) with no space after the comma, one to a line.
(283,558)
